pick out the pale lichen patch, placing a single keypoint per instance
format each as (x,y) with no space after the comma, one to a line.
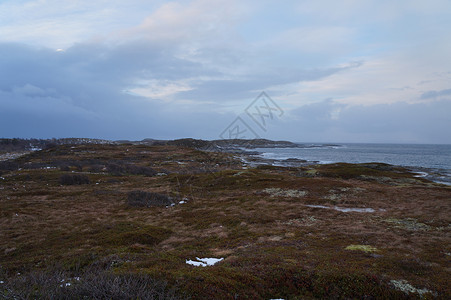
(364,248)
(409,224)
(278,192)
(305,221)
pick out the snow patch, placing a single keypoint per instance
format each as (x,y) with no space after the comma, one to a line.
(65,284)
(204,262)
(407,288)
(68,282)
(343,209)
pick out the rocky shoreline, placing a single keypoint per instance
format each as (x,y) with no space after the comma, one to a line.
(244,149)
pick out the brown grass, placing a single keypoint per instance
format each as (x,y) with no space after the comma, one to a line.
(274,247)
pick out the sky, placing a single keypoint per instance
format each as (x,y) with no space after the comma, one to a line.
(306,71)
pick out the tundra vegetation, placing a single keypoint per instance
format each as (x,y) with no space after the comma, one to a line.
(120,221)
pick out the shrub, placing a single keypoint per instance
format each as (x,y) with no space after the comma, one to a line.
(78,166)
(74,179)
(138,170)
(65,168)
(146,199)
(8,166)
(91,284)
(121,169)
(115,169)
(96,168)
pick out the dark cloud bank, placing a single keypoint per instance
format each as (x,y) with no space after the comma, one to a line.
(80,93)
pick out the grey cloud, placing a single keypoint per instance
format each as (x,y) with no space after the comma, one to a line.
(316,117)
(79,92)
(435,94)
(249,85)
(329,121)
(44,93)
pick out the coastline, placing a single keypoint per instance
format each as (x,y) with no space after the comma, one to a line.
(206,223)
(253,152)
(302,156)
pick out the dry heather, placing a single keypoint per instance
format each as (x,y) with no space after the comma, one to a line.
(278,229)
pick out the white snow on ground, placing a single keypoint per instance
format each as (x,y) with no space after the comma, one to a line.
(65,284)
(68,282)
(407,288)
(210,261)
(203,262)
(343,209)
(12,155)
(195,263)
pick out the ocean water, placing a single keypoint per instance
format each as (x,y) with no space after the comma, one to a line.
(430,161)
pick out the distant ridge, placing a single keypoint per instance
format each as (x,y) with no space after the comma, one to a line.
(16,144)
(218,144)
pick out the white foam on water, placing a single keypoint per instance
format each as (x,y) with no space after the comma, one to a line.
(421,174)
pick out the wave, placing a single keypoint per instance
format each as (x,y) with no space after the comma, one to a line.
(321,146)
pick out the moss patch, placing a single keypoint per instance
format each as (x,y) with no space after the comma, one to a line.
(408,224)
(364,248)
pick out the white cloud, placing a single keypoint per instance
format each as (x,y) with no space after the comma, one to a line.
(370,11)
(158,89)
(379,80)
(193,21)
(60,24)
(191,62)
(317,39)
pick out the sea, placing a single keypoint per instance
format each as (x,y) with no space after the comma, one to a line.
(432,162)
